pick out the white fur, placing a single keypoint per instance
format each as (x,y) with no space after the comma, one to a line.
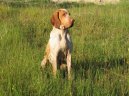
(59,41)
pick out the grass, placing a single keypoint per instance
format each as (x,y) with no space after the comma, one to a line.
(100,59)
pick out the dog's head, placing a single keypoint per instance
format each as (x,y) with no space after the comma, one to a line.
(61,19)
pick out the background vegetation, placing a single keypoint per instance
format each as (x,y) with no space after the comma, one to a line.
(100,59)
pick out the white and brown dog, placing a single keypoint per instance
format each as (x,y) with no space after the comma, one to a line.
(59,46)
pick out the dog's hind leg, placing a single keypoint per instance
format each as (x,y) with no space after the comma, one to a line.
(45,59)
(44,62)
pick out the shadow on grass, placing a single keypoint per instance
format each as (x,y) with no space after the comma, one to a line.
(24,4)
(46,3)
(73,4)
(108,64)
(82,67)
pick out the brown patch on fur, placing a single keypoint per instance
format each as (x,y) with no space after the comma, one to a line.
(46,56)
(47,51)
(55,21)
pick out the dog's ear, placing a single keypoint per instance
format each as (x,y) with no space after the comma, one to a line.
(55,21)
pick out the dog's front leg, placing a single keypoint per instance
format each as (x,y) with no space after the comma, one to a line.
(54,67)
(54,61)
(69,64)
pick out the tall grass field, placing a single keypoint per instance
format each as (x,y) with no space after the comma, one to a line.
(100,57)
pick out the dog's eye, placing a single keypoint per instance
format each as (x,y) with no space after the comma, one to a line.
(64,14)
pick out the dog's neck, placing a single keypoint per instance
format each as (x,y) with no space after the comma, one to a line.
(61,30)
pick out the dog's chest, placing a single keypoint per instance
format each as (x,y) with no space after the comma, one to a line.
(60,40)
(63,41)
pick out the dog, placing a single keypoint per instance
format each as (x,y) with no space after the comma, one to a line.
(59,46)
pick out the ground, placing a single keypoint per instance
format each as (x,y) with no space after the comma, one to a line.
(100,57)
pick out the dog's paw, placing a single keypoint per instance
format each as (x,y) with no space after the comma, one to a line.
(43,63)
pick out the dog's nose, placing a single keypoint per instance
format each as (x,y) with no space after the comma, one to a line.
(72,22)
